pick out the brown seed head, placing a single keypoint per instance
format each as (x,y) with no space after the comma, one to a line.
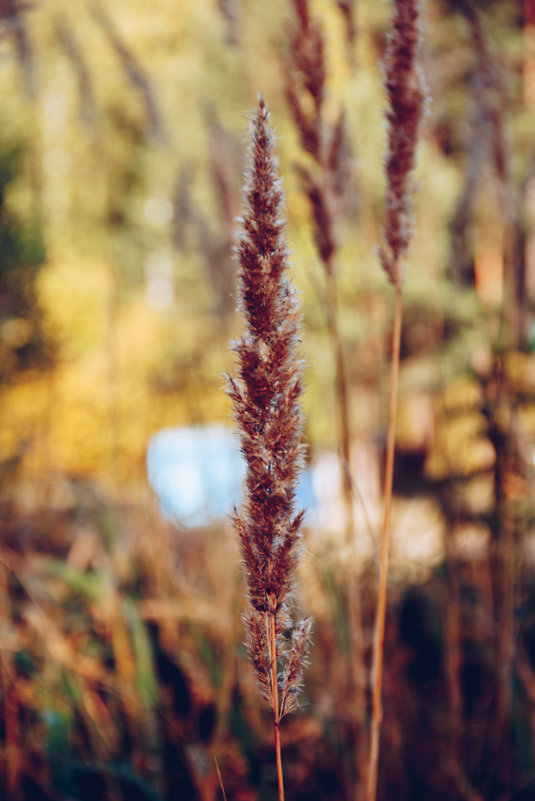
(405,89)
(266,403)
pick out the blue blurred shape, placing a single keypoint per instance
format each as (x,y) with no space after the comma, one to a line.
(197,474)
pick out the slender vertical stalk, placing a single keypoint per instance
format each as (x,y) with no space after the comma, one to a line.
(356,662)
(344,436)
(221,785)
(405,89)
(328,181)
(378,649)
(276,715)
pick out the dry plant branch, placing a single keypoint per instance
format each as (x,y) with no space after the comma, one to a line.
(267,409)
(404,85)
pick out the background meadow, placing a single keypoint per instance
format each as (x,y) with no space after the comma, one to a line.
(123,134)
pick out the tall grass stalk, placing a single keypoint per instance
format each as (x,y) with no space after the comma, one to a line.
(405,90)
(327,180)
(266,404)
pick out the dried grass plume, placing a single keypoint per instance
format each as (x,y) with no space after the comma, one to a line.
(266,402)
(405,88)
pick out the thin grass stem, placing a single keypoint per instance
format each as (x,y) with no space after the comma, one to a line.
(406,94)
(378,650)
(220,779)
(276,712)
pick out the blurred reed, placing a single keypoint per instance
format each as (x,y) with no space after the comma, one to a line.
(406,96)
(327,179)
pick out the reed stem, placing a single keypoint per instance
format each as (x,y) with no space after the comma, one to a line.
(378,649)
(342,397)
(406,93)
(276,712)
(354,605)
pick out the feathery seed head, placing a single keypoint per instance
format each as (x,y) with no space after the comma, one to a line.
(406,94)
(266,402)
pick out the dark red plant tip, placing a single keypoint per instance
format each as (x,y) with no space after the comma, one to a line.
(266,404)
(406,94)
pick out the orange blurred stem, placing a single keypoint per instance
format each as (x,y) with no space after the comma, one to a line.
(378,645)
